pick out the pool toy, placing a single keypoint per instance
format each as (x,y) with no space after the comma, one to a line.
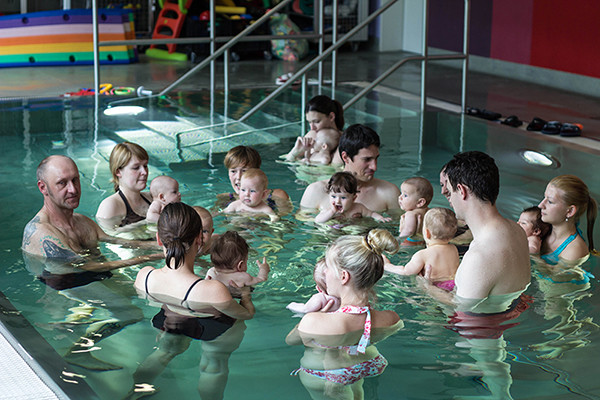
(64,37)
(168,25)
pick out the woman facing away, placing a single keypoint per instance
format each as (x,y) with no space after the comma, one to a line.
(339,346)
(180,235)
(565,200)
(191,308)
(128,206)
(319,146)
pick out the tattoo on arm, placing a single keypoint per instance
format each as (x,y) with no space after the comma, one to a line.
(30,229)
(52,249)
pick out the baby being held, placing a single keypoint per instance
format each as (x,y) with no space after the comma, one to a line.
(320,300)
(164,190)
(207,230)
(253,194)
(229,256)
(342,189)
(535,229)
(439,227)
(415,195)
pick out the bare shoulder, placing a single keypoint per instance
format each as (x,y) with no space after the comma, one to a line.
(314,195)
(110,207)
(140,278)
(314,323)
(280,193)
(385,318)
(385,186)
(575,250)
(210,290)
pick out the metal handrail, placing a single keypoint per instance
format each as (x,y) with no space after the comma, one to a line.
(301,72)
(227,46)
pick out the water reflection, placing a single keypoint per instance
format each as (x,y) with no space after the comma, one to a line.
(328,370)
(177,327)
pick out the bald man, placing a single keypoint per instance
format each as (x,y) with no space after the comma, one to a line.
(57,232)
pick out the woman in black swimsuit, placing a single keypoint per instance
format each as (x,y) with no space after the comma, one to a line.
(129,168)
(193,308)
(180,235)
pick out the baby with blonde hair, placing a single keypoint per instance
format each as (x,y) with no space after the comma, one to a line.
(164,190)
(253,194)
(321,300)
(439,227)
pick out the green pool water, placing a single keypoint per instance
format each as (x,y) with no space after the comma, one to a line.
(550,353)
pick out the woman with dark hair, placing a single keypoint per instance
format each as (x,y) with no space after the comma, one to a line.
(192,308)
(326,119)
(180,235)
(128,205)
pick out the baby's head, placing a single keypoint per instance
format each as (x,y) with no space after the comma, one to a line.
(165,190)
(439,224)
(207,229)
(326,141)
(415,193)
(230,252)
(342,188)
(319,275)
(253,187)
(531,222)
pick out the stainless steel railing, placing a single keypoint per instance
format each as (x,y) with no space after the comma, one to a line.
(301,74)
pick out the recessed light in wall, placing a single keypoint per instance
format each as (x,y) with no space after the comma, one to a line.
(124,110)
(534,157)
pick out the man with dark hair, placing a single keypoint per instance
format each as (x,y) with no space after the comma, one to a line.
(497,262)
(359,150)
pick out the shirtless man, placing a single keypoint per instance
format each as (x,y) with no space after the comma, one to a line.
(497,262)
(61,248)
(359,150)
(58,233)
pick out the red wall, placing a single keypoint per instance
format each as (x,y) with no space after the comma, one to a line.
(556,34)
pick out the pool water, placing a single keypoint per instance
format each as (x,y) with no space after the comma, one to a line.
(549,352)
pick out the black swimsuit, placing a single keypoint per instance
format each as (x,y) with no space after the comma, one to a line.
(130,215)
(193,327)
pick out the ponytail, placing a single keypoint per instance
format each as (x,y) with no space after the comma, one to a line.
(178,226)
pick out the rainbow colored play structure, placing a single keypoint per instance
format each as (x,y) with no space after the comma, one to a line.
(64,37)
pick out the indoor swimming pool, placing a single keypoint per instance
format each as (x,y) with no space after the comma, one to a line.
(549,351)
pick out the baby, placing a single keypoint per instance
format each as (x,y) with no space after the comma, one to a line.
(342,189)
(229,256)
(415,195)
(164,190)
(253,194)
(535,229)
(207,230)
(439,226)
(316,147)
(319,300)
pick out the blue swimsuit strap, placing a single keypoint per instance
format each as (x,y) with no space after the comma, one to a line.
(564,244)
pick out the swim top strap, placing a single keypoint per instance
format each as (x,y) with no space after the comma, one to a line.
(189,290)
(146,282)
(361,347)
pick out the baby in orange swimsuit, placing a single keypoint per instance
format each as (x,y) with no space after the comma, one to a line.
(439,227)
